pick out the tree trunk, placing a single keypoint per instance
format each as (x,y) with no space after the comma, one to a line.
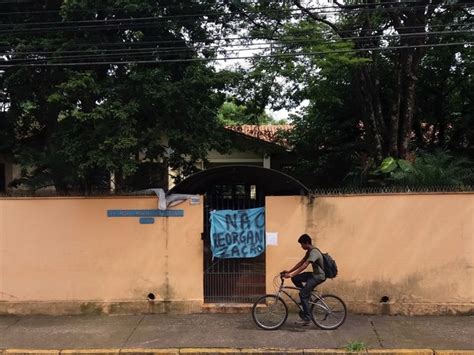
(440,104)
(411,77)
(418,130)
(407,102)
(374,80)
(391,134)
(395,116)
(367,104)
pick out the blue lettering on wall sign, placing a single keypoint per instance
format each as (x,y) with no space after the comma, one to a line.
(145,213)
(147,220)
(238,233)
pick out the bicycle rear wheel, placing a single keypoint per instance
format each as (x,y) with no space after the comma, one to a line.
(269,312)
(329,312)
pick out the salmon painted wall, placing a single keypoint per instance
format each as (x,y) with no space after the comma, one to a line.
(417,250)
(67,249)
(64,255)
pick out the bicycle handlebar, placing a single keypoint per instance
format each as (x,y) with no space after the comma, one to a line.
(282,279)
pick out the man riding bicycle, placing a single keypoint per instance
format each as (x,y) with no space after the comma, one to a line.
(311,279)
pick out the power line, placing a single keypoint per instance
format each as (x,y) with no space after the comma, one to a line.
(184,7)
(324,9)
(150,52)
(147,18)
(15,1)
(152,25)
(243,38)
(279,55)
(243,46)
(110,23)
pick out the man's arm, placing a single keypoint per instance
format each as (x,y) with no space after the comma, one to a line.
(303,264)
(297,266)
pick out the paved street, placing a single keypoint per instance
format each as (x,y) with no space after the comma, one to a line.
(230,331)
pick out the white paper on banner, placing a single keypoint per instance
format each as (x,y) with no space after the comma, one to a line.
(272,238)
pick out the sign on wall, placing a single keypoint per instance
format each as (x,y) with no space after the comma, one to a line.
(238,233)
(145,216)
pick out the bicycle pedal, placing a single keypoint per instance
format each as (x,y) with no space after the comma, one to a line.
(302,322)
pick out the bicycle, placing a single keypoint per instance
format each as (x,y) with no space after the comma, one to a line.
(270,312)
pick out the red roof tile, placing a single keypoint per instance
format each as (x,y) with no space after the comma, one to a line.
(267,133)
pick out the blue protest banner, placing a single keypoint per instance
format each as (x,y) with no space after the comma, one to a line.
(238,233)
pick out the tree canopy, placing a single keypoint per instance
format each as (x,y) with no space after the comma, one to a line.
(381,79)
(231,113)
(74,125)
(92,90)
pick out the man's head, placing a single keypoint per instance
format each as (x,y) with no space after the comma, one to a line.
(305,241)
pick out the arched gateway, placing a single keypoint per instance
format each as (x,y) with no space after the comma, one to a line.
(235,187)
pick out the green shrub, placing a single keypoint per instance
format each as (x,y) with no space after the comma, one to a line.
(355,346)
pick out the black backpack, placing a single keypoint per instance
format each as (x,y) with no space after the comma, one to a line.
(329,267)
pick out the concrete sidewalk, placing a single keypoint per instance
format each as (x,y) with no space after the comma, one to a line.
(182,333)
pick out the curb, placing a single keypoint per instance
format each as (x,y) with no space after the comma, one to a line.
(230,351)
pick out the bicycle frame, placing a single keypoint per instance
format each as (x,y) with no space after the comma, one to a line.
(315,298)
(274,308)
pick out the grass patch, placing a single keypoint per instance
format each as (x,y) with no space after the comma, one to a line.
(355,346)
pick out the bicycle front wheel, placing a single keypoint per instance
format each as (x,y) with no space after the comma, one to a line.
(269,312)
(329,312)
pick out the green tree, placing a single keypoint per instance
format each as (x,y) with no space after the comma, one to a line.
(231,113)
(328,132)
(444,117)
(369,93)
(74,125)
(428,169)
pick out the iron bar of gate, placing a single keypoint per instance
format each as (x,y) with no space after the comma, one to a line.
(247,290)
(232,280)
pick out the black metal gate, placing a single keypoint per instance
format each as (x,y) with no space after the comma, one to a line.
(232,280)
(3,184)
